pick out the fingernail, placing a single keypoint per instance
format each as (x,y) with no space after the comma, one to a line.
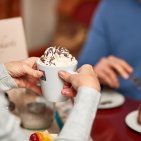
(65,92)
(39,73)
(131,69)
(62,73)
(126,76)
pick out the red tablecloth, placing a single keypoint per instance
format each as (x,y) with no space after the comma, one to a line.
(110,125)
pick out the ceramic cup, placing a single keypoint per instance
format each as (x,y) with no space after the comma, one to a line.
(51,83)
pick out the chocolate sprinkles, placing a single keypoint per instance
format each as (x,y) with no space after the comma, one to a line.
(55,52)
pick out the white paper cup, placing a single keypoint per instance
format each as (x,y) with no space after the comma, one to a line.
(51,83)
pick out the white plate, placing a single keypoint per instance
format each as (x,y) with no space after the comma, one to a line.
(110,99)
(131,121)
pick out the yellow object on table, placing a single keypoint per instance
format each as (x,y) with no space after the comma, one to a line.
(41,136)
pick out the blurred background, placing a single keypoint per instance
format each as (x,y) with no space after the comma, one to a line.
(52,22)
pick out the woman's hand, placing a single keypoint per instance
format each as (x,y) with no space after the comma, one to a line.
(25,74)
(85,76)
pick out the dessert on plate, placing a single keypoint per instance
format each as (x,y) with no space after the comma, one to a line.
(41,136)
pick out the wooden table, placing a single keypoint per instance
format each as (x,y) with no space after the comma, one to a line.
(110,124)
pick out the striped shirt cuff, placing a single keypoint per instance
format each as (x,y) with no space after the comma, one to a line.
(6,81)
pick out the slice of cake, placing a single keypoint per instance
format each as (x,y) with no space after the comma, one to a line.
(41,136)
(139,114)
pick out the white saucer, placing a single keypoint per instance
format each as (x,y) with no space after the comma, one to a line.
(131,121)
(110,99)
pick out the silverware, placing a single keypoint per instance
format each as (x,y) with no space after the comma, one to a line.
(136,81)
(105,102)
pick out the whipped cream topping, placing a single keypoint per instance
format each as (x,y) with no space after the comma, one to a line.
(57,56)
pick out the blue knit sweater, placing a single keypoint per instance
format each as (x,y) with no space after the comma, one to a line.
(116,30)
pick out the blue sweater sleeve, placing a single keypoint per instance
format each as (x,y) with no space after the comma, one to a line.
(97,43)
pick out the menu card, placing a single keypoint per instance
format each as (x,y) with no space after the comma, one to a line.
(12,40)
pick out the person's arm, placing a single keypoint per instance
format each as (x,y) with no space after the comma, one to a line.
(9,126)
(78,125)
(97,44)
(6,81)
(79,122)
(15,74)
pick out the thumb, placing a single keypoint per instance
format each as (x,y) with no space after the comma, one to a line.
(65,76)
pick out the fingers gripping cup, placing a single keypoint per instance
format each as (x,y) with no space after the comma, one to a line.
(51,62)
